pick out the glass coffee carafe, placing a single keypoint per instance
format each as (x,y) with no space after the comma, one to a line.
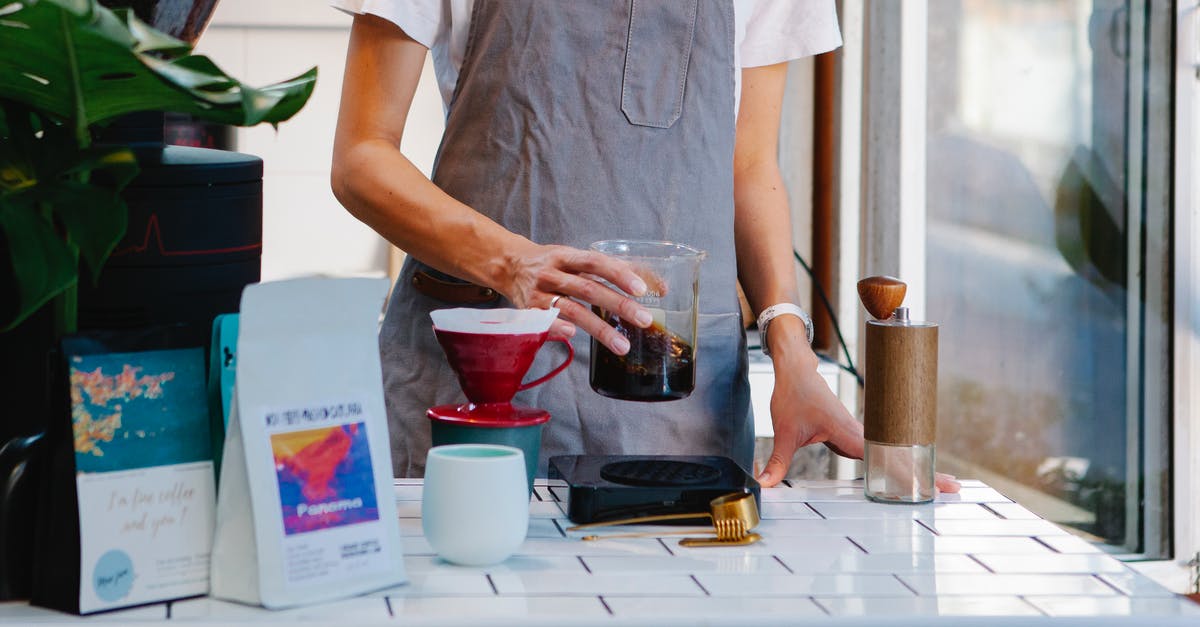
(661,362)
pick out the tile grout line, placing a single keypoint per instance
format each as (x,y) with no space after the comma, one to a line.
(1031,604)
(785,566)
(169,604)
(828,612)
(815,510)
(989,508)
(905,584)
(1110,585)
(562,532)
(980,562)
(606,607)
(664,545)
(585,566)
(931,529)
(1039,541)
(491,583)
(860,547)
(388,601)
(536,495)
(702,588)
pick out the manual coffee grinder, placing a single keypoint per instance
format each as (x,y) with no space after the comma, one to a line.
(900,406)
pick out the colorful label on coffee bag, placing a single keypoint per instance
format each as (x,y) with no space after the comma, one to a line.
(325,477)
(327,498)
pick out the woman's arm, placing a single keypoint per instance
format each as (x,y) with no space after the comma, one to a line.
(382,188)
(803,409)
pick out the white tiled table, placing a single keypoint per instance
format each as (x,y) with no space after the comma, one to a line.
(827,556)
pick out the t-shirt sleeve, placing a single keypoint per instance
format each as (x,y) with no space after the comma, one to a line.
(426,21)
(782,30)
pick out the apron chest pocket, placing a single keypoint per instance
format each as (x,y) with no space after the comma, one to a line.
(656,60)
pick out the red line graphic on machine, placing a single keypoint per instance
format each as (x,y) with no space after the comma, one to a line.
(152,227)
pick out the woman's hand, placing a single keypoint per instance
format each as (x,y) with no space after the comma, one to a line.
(535,275)
(805,411)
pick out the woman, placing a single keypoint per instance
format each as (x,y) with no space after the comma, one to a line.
(570,122)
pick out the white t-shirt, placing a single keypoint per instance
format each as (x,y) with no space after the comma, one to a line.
(765,31)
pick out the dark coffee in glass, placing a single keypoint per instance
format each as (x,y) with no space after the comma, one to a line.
(661,362)
(660,365)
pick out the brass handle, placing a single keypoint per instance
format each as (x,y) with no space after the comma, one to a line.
(639,519)
(733,516)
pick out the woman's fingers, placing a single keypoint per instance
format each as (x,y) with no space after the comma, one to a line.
(947,483)
(595,293)
(619,273)
(591,324)
(577,280)
(562,330)
(583,280)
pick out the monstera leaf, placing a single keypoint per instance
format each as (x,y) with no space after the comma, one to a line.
(57,203)
(67,66)
(78,61)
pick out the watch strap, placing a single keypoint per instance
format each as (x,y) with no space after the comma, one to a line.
(781,309)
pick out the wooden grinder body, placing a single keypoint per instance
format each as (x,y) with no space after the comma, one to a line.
(901,382)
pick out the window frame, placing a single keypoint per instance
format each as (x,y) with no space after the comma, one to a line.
(882,217)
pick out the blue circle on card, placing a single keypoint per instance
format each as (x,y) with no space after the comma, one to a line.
(113,576)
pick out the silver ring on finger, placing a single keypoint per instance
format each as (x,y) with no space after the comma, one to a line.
(554,301)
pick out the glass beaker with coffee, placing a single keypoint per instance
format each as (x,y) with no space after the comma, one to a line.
(661,362)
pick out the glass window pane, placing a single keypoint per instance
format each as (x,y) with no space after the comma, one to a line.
(1028,255)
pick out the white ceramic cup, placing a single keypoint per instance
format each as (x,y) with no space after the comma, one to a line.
(475,505)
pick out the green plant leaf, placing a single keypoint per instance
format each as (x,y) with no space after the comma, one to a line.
(17,149)
(95,219)
(66,67)
(42,263)
(79,191)
(86,64)
(117,162)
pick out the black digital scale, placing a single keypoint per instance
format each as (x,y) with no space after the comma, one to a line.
(600,488)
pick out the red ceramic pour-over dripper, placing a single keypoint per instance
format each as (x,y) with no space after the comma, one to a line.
(490,352)
(490,367)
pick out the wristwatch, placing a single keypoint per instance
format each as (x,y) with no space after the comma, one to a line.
(780,309)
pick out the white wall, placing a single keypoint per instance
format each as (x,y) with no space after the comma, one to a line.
(305,230)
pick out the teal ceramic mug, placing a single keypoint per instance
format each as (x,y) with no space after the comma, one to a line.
(475,506)
(523,432)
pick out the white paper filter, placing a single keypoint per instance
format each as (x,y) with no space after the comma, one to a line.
(494,321)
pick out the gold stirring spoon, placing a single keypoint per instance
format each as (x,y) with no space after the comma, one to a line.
(733,516)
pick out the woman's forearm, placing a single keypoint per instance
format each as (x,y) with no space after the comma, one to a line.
(763,232)
(383,189)
(762,219)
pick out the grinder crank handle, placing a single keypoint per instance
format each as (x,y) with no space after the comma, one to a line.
(881,295)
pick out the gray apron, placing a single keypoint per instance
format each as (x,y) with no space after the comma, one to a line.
(573,122)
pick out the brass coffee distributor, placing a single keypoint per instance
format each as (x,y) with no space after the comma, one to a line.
(900,406)
(733,516)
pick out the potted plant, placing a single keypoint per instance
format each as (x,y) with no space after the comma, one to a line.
(68,68)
